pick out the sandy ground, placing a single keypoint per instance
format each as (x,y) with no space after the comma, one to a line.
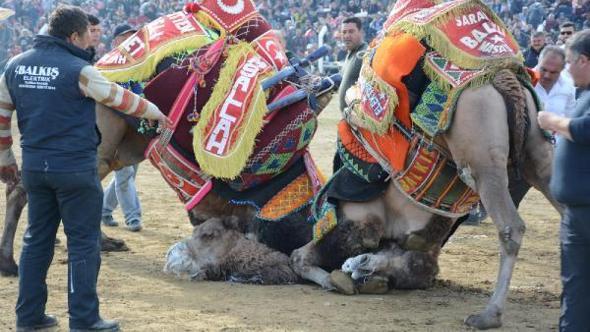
(134,289)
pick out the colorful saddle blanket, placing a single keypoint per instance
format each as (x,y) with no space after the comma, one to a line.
(458,44)
(221,130)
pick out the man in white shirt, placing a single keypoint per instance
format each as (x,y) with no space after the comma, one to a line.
(556,92)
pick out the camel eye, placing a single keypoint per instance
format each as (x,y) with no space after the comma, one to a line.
(207,236)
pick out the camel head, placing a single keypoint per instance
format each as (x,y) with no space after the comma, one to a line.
(201,255)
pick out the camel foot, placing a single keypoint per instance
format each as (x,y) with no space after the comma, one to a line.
(111,244)
(8,267)
(374,285)
(342,282)
(489,319)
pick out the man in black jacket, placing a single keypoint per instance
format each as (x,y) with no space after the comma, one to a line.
(531,55)
(570,185)
(53,89)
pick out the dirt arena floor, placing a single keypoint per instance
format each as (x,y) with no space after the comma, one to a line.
(134,289)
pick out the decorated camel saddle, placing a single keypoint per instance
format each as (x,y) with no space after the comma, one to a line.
(406,95)
(236,129)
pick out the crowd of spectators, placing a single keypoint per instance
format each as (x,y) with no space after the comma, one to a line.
(305,23)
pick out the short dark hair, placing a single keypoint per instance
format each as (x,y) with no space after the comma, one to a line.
(567,24)
(580,43)
(355,20)
(538,34)
(93,19)
(65,20)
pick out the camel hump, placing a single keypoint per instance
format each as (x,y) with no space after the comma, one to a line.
(511,89)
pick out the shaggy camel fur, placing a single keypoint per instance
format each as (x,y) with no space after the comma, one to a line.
(219,250)
(392,238)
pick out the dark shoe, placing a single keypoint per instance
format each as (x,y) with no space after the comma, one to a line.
(134,225)
(47,322)
(109,221)
(101,325)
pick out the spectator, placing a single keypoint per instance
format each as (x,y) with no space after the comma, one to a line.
(121,189)
(56,118)
(536,14)
(566,30)
(557,93)
(95,36)
(6,39)
(570,185)
(353,39)
(531,55)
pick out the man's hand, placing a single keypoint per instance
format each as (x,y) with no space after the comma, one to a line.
(161,122)
(554,123)
(9,174)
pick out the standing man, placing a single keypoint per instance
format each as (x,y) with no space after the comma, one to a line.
(557,93)
(353,39)
(352,36)
(531,55)
(95,36)
(570,185)
(566,30)
(53,89)
(121,189)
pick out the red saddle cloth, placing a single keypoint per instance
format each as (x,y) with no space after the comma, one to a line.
(283,139)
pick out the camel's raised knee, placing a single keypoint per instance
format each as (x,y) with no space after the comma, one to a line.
(511,238)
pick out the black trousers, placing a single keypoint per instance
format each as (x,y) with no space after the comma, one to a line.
(76,199)
(575,269)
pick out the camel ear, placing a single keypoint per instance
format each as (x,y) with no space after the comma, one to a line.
(231,222)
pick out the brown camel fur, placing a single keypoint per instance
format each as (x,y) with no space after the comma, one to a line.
(403,241)
(219,250)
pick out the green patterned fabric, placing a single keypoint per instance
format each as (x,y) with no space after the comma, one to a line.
(427,113)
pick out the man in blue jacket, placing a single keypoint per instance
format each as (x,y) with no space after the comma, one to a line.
(570,185)
(53,89)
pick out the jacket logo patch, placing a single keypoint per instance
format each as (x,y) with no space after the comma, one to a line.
(36,77)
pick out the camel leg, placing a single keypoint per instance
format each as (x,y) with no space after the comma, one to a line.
(360,229)
(305,261)
(539,157)
(113,129)
(479,142)
(16,199)
(405,269)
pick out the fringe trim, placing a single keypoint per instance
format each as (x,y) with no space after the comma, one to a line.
(144,70)
(437,39)
(231,165)
(205,19)
(479,81)
(365,121)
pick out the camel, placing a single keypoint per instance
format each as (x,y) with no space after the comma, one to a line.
(123,146)
(219,250)
(391,240)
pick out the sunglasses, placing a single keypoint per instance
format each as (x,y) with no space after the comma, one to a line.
(566,33)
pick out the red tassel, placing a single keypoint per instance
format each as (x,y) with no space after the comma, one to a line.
(192,7)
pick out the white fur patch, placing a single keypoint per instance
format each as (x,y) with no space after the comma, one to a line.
(179,260)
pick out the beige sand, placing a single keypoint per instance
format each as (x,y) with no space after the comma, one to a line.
(134,289)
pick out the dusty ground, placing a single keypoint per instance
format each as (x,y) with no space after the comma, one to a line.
(134,290)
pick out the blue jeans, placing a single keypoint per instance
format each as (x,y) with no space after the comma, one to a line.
(74,198)
(575,269)
(122,190)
